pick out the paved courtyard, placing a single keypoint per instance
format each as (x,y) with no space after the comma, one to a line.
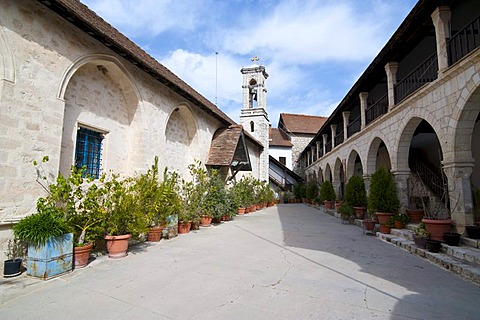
(284,262)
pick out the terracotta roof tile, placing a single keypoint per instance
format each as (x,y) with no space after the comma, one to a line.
(279,138)
(228,145)
(299,123)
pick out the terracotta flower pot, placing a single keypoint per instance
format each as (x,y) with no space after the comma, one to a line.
(154,234)
(184,227)
(205,221)
(328,204)
(384,229)
(81,255)
(415,215)
(398,224)
(383,217)
(117,246)
(437,228)
(360,212)
(368,224)
(241,211)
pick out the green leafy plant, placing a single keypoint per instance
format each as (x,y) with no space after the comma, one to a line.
(15,249)
(355,193)
(327,193)
(312,189)
(383,193)
(401,217)
(346,212)
(421,231)
(37,228)
(193,193)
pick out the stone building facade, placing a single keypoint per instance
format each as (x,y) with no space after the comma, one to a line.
(415,110)
(67,79)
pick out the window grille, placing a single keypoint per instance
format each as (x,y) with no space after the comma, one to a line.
(88,152)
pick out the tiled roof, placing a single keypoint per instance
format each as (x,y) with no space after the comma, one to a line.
(78,14)
(228,145)
(300,123)
(279,138)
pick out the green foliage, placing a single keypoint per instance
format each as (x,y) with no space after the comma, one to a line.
(355,193)
(421,230)
(215,202)
(401,217)
(346,211)
(193,193)
(311,189)
(327,193)
(15,249)
(37,228)
(243,190)
(383,193)
(297,191)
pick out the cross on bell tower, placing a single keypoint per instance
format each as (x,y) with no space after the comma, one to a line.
(254,116)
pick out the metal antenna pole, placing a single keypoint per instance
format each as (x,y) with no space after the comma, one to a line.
(216,77)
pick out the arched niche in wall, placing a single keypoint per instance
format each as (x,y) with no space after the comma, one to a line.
(378,156)
(180,132)
(354,165)
(328,173)
(100,95)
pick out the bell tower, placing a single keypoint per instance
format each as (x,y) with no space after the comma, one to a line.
(254,116)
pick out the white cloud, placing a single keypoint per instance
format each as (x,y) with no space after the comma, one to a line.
(150,17)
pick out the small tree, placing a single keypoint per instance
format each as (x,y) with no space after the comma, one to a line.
(383,192)
(355,193)
(312,189)
(327,193)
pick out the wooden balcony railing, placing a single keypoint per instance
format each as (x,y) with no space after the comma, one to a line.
(377,109)
(339,138)
(329,146)
(464,41)
(426,72)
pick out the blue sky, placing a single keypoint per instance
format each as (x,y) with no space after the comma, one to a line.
(313,50)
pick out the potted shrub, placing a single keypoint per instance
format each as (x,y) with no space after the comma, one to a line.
(15,252)
(420,235)
(192,195)
(347,213)
(311,191)
(368,224)
(50,243)
(124,217)
(356,196)
(399,220)
(327,194)
(385,227)
(383,199)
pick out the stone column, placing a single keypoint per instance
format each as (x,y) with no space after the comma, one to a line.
(333,128)
(441,22)
(391,70)
(366,181)
(308,158)
(363,107)
(459,189)
(346,118)
(325,137)
(312,152)
(401,182)
(318,149)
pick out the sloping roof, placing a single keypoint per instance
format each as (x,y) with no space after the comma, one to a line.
(78,14)
(279,138)
(228,148)
(300,123)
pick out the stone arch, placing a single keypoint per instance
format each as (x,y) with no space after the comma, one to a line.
(354,165)
(180,135)
(328,173)
(320,176)
(376,153)
(100,94)
(339,178)
(7,61)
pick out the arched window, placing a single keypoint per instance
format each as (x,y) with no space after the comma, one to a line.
(252,126)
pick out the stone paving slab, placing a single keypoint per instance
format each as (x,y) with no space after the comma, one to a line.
(286,262)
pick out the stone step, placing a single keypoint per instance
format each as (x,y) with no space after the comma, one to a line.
(463,261)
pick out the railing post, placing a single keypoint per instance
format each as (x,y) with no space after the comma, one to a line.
(441,22)
(346,117)
(363,106)
(391,70)
(325,137)
(333,127)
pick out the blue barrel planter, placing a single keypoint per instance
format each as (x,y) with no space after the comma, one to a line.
(171,227)
(51,259)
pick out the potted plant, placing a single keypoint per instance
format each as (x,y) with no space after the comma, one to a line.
(368,224)
(311,191)
(383,199)
(327,194)
(399,220)
(124,217)
(192,194)
(347,213)
(356,196)
(15,252)
(385,227)
(420,236)
(50,243)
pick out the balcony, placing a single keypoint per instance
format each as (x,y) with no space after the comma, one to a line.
(464,41)
(329,146)
(339,138)
(426,72)
(354,126)
(377,109)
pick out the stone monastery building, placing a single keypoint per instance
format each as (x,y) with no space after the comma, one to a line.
(75,89)
(415,111)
